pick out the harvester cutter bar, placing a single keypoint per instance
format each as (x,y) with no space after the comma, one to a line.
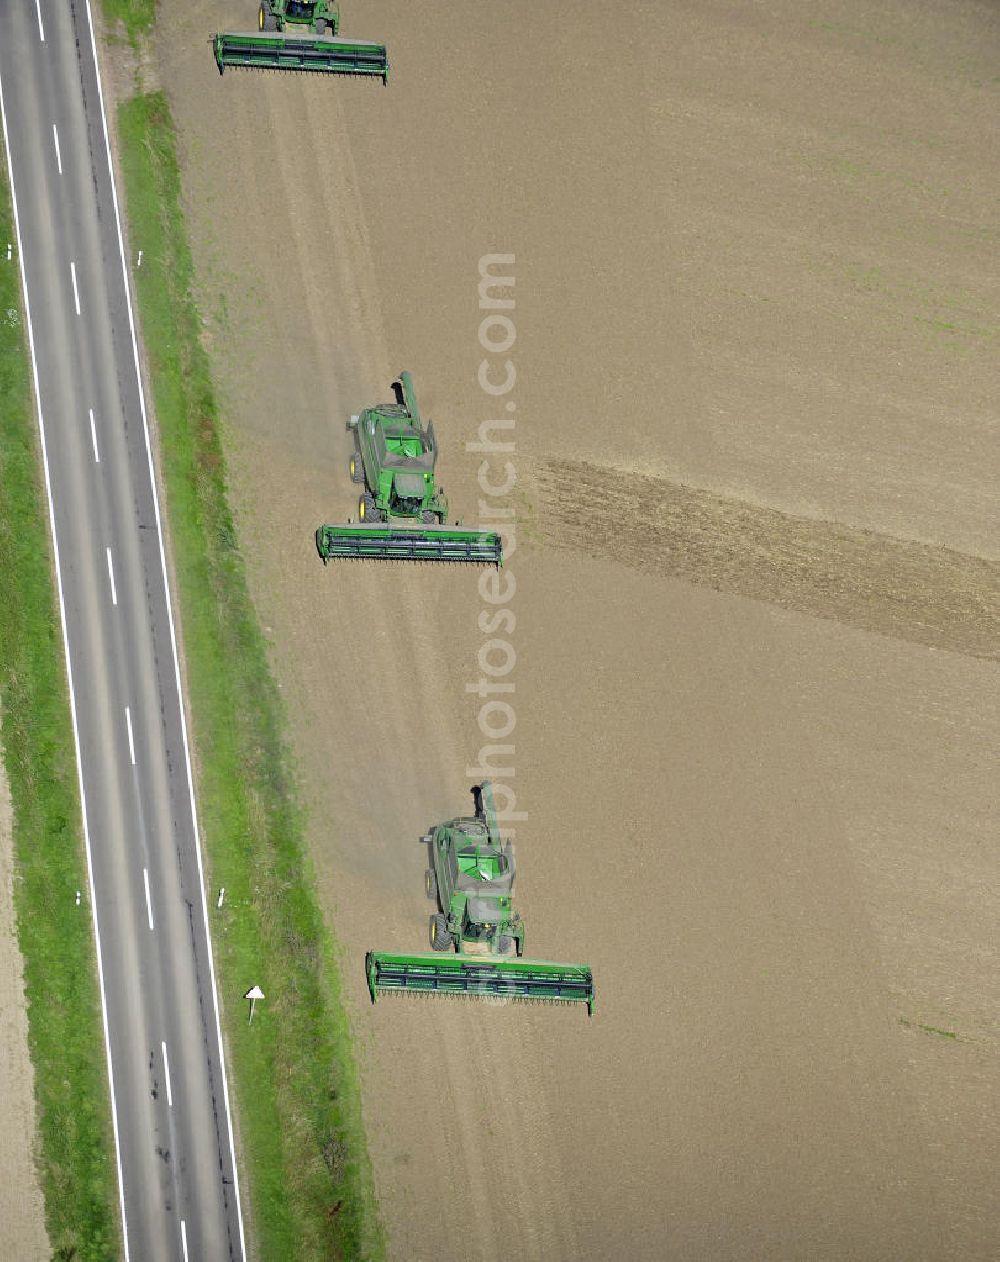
(505,978)
(392,543)
(293,52)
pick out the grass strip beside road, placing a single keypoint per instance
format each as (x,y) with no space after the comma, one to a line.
(135,17)
(299,1117)
(75,1148)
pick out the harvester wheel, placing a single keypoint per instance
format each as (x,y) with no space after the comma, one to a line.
(431,884)
(321,26)
(266,20)
(441,939)
(504,943)
(429,518)
(357,469)
(367,510)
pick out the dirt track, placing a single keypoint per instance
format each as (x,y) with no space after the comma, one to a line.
(751,262)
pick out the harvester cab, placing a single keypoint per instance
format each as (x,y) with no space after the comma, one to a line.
(317,16)
(476,936)
(402,511)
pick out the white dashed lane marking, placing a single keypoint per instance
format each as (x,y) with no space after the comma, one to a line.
(149,904)
(111,578)
(166,1076)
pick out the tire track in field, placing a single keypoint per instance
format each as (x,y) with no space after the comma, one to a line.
(917,592)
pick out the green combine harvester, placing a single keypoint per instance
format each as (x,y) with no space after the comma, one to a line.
(476,936)
(402,510)
(301,35)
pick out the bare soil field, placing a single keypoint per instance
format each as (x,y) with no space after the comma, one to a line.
(756,693)
(22,1210)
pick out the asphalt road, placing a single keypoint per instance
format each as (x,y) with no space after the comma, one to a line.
(179,1192)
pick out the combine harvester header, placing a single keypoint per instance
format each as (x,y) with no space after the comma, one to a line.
(402,510)
(317,48)
(388,543)
(471,878)
(475,976)
(290,52)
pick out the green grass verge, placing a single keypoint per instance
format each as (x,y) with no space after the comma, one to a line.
(134,16)
(75,1152)
(301,1137)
